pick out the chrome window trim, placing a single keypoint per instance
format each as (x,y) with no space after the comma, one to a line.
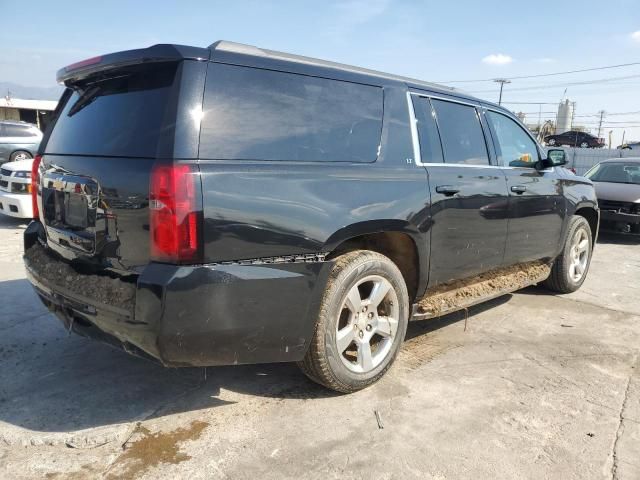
(463,165)
(413,125)
(445,99)
(499,167)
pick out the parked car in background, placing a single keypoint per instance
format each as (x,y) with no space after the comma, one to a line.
(18,140)
(230,205)
(629,146)
(617,183)
(15,189)
(573,138)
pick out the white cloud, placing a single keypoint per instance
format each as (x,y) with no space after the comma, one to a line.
(635,36)
(497,59)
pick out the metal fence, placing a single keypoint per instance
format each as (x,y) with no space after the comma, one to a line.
(582,159)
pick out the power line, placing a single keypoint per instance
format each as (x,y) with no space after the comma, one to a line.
(569,84)
(547,74)
(531,103)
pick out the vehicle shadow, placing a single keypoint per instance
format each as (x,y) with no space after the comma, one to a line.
(611,238)
(11,223)
(51,381)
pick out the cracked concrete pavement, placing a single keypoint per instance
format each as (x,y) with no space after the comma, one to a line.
(538,386)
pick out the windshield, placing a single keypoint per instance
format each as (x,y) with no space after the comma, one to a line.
(615,173)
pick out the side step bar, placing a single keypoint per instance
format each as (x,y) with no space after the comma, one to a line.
(461,294)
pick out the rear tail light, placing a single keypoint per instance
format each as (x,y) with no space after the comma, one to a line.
(174,214)
(35,181)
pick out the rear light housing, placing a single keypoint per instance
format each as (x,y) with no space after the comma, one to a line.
(83,63)
(175,214)
(35,181)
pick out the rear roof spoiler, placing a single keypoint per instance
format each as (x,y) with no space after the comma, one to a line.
(155,53)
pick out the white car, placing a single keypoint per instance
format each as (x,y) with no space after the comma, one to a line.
(15,189)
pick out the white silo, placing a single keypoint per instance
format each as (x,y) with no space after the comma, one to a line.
(564,120)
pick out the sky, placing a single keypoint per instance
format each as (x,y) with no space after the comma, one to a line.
(441,41)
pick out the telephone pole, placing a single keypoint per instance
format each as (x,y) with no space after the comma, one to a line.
(501,81)
(601,112)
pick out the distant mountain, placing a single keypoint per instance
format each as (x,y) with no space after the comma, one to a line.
(31,93)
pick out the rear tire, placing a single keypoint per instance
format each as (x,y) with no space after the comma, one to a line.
(20,155)
(570,268)
(361,324)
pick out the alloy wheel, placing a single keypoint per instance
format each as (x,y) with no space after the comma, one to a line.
(579,253)
(367,324)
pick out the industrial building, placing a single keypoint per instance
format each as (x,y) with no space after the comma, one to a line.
(37,112)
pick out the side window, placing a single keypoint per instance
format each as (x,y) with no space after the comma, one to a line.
(515,147)
(255,114)
(430,148)
(461,133)
(16,131)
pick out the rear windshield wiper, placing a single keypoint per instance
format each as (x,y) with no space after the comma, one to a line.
(87,97)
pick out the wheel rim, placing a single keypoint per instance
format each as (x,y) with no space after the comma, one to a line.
(20,156)
(579,255)
(584,144)
(367,324)
(552,141)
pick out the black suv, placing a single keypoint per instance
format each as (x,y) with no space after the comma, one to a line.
(228,205)
(574,138)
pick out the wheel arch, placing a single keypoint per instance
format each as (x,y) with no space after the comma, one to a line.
(592,215)
(394,239)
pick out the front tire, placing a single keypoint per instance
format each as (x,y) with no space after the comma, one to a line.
(552,141)
(361,324)
(584,145)
(569,270)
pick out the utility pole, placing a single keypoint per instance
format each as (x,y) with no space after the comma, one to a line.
(501,81)
(601,112)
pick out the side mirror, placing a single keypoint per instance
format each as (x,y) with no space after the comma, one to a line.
(555,158)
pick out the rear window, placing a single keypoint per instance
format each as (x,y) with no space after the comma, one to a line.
(122,115)
(255,114)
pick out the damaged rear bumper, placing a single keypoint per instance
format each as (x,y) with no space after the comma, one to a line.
(200,315)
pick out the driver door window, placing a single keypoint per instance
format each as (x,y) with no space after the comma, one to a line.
(515,147)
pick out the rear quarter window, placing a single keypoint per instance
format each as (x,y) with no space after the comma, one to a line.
(255,114)
(125,114)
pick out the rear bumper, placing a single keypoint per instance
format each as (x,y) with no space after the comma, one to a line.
(202,315)
(17,205)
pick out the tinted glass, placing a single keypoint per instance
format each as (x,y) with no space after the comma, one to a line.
(124,115)
(615,173)
(461,133)
(258,114)
(10,130)
(430,148)
(515,147)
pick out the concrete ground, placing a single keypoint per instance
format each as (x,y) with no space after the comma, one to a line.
(530,386)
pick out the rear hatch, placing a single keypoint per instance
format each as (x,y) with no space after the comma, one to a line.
(120,115)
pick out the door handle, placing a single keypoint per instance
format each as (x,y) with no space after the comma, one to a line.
(447,190)
(519,189)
